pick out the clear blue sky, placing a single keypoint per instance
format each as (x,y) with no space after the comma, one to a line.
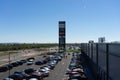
(37,20)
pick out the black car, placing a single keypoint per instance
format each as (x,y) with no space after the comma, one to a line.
(24,61)
(16,77)
(15,64)
(29,70)
(25,76)
(3,68)
(20,62)
(10,66)
(39,62)
(45,61)
(7,79)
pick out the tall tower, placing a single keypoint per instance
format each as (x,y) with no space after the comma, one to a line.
(62,41)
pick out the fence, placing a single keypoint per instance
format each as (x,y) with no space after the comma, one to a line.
(104,59)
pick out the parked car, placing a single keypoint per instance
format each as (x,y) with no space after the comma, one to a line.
(24,61)
(75,76)
(29,70)
(45,73)
(10,66)
(20,62)
(45,67)
(33,73)
(45,61)
(33,79)
(30,62)
(3,68)
(39,62)
(52,62)
(51,66)
(68,71)
(25,76)
(15,64)
(31,58)
(16,77)
(7,79)
(78,70)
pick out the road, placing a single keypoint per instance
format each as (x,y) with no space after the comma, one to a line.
(58,72)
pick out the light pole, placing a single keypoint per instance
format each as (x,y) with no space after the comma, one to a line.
(9,62)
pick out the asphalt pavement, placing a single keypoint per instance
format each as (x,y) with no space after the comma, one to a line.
(19,68)
(59,71)
(57,74)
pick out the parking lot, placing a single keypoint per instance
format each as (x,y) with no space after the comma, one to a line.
(19,68)
(58,72)
(66,67)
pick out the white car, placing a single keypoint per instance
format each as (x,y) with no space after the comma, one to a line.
(30,62)
(46,68)
(33,79)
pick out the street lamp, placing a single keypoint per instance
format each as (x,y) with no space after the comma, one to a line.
(9,62)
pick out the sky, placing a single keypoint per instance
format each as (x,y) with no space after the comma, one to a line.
(36,21)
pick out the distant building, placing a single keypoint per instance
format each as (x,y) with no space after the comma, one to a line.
(115,42)
(62,41)
(101,40)
(91,41)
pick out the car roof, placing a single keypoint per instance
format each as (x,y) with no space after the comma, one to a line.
(33,79)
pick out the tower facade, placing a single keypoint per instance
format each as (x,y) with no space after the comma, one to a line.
(62,40)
